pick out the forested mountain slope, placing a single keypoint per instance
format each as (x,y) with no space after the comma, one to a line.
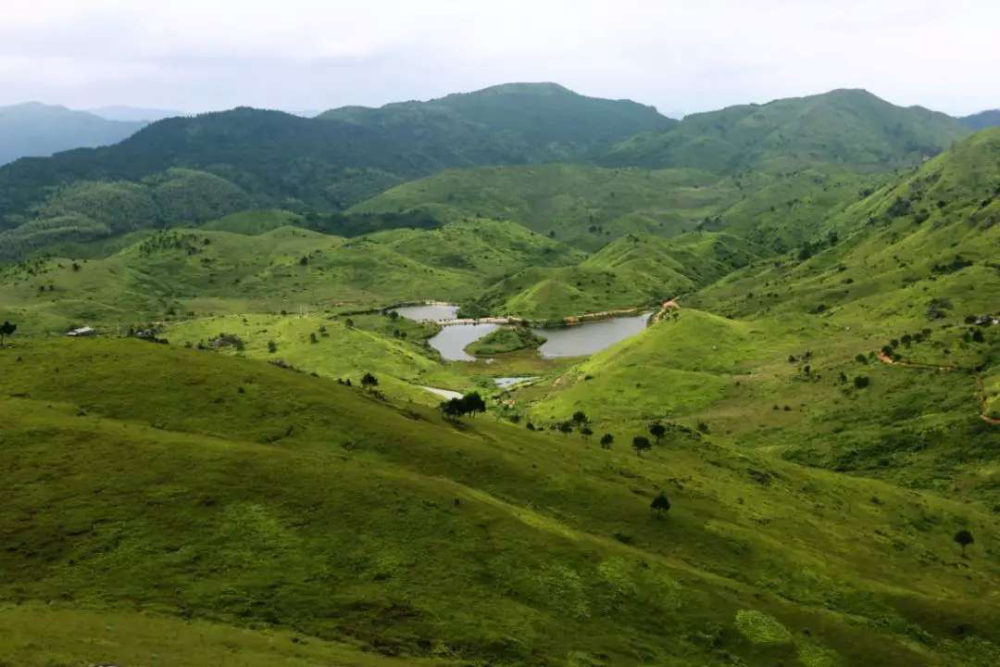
(852,128)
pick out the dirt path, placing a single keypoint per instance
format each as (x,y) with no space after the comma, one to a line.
(982,403)
(446,394)
(980,394)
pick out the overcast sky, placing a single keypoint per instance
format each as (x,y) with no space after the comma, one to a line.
(679,55)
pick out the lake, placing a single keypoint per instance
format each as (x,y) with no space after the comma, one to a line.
(590,337)
(434,313)
(578,340)
(452,340)
(506,383)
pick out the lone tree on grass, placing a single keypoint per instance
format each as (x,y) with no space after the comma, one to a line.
(368,381)
(964,538)
(580,418)
(6,329)
(607,440)
(640,444)
(660,504)
(565,427)
(657,430)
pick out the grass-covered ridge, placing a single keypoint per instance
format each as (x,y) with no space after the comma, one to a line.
(847,127)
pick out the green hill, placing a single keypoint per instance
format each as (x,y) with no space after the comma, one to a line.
(589,206)
(580,204)
(913,271)
(852,128)
(166,274)
(632,272)
(508,124)
(322,513)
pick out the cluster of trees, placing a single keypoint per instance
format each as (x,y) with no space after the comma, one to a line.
(640,443)
(470,404)
(580,421)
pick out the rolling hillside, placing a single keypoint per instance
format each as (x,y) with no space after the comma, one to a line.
(163,275)
(785,354)
(851,128)
(582,205)
(323,517)
(632,272)
(776,471)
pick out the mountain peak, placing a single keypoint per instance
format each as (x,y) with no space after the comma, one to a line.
(525,88)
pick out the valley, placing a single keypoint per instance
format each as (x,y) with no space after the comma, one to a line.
(511,377)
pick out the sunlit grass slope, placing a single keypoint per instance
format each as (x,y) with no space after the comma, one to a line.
(169,274)
(149,483)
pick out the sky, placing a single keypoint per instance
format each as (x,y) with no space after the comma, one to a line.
(681,56)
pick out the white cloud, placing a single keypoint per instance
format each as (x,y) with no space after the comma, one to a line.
(677,54)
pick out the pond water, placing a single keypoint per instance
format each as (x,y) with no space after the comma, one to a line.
(434,313)
(590,337)
(504,383)
(575,341)
(452,340)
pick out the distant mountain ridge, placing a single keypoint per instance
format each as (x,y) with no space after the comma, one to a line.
(187,170)
(345,156)
(516,122)
(982,120)
(848,127)
(34,129)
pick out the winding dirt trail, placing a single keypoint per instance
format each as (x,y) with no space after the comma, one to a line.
(980,394)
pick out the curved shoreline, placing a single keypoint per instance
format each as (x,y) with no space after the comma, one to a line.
(568,321)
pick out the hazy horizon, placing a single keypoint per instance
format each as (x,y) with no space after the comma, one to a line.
(313,55)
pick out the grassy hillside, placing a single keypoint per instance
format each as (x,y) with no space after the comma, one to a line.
(582,205)
(320,511)
(92,210)
(589,206)
(631,272)
(797,373)
(339,348)
(852,128)
(193,272)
